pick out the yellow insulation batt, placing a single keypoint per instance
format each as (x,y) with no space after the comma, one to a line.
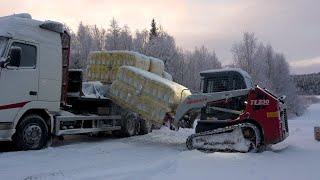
(104,65)
(164,90)
(156,66)
(125,96)
(146,93)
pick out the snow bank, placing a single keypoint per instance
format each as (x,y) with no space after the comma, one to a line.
(162,155)
(164,136)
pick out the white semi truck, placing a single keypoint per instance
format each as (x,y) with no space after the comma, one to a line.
(40,97)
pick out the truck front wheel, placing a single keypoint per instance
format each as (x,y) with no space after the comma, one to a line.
(31,134)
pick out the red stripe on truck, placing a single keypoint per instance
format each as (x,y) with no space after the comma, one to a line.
(12,106)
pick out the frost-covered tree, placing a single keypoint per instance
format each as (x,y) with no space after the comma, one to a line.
(81,45)
(267,68)
(113,36)
(118,38)
(153,30)
(162,46)
(244,52)
(308,84)
(140,41)
(86,39)
(283,84)
(178,67)
(269,56)
(98,38)
(249,55)
(125,39)
(198,60)
(75,51)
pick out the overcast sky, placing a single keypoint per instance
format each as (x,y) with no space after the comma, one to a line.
(290,26)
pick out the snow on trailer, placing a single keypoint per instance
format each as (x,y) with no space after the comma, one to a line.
(95,89)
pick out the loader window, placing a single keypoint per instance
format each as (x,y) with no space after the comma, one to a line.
(28,54)
(217,84)
(238,83)
(3,44)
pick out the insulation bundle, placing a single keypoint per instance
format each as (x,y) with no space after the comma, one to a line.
(166,75)
(103,65)
(156,66)
(146,93)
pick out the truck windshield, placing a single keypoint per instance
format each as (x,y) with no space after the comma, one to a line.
(3,45)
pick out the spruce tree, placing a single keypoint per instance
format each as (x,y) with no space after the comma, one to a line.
(154,30)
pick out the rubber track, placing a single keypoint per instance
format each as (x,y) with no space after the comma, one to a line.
(224,130)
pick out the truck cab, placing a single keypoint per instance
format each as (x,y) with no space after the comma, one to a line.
(37,88)
(31,69)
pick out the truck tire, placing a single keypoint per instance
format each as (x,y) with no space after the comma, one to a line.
(129,125)
(31,133)
(145,127)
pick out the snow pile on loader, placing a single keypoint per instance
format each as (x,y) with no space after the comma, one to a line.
(104,65)
(146,93)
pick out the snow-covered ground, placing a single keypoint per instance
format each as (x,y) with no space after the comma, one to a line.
(162,155)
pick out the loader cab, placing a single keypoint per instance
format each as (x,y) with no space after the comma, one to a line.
(224,80)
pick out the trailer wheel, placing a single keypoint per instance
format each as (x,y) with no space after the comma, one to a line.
(31,134)
(129,124)
(145,127)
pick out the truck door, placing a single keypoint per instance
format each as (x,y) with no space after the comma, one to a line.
(19,85)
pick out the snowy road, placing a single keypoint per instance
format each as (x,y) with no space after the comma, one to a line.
(162,155)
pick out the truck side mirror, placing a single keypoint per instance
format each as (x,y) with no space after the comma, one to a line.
(15,56)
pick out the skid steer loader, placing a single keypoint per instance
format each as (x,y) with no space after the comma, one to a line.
(234,115)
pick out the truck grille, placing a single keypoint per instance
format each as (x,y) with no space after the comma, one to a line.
(284,119)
